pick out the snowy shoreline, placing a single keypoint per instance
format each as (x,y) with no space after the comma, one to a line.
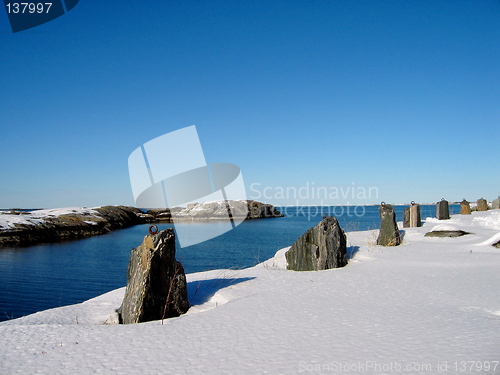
(422,307)
(24,228)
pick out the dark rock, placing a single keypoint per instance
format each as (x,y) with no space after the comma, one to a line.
(321,247)
(465,208)
(389,232)
(495,205)
(156,287)
(446,233)
(496,244)
(482,205)
(442,210)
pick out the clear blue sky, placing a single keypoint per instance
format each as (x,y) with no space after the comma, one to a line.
(403,96)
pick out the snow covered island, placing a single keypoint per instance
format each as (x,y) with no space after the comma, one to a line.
(26,228)
(428,306)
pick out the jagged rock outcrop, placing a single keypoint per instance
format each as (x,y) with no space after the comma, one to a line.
(321,247)
(389,232)
(156,287)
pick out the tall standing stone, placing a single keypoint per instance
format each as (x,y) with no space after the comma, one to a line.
(156,286)
(389,232)
(482,205)
(321,247)
(442,210)
(495,205)
(411,216)
(465,208)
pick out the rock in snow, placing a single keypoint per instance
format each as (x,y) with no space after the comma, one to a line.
(320,248)
(156,286)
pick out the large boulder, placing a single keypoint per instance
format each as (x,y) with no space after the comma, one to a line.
(156,286)
(321,247)
(389,232)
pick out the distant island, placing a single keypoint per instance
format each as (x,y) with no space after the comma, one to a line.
(21,228)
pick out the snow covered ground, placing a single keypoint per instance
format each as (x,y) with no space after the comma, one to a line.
(37,217)
(428,306)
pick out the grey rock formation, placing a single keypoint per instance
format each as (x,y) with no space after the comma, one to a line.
(212,211)
(495,205)
(482,205)
(156,287)
(442,210)
(446,233)
(465,208)
(321,247)
(411,216)
(389,232)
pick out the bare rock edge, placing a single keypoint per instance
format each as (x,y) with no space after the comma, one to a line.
(109,218)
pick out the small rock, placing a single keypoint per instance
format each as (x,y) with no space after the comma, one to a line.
(446,230)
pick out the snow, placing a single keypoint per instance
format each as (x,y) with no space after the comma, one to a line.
(428,306)
(37,217)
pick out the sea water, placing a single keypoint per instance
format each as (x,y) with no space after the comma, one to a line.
(45,276)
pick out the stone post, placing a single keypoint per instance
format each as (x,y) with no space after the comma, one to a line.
(465,208)
(495,205)
(482,205)
(389,232)
(411,216)
(406,217)
(442,210)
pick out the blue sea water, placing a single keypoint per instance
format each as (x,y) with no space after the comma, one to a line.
(44,276)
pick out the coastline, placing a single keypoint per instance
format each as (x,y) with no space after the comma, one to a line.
(25,228)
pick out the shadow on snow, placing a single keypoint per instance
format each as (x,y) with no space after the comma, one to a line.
(201,291)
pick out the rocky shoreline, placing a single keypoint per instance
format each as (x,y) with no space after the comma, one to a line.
(20,228)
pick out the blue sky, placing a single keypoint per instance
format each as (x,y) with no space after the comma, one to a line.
(403,96)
